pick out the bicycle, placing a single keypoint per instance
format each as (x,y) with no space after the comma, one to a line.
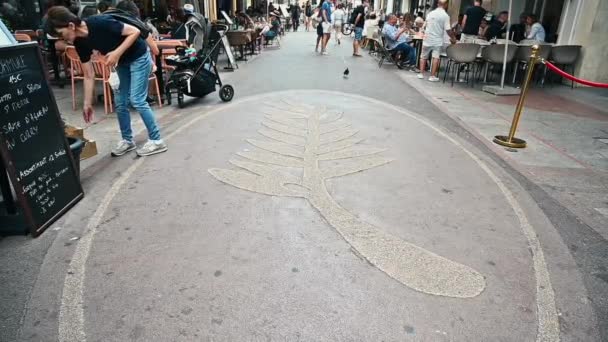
(347,29)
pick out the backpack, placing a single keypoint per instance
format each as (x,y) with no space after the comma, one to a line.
(127,18)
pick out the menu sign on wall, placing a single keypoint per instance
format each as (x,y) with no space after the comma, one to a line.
(34,149)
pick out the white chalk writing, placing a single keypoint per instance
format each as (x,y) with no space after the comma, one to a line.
(11,127)
(28,134)
(33,87)
(9,65)
(5,97)
(35,116)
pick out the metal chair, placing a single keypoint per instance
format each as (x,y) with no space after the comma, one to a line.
(461,54)
(495,55)
(522,57)
(564,56)
(383,53)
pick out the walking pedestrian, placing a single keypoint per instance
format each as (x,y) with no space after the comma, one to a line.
(125,50)
(326,25)
(308,15)
(295,16)
(338,21)
(359,21)
(317,22)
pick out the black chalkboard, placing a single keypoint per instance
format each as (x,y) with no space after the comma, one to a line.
(34,149)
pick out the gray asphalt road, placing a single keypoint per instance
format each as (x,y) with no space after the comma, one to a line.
(254,228)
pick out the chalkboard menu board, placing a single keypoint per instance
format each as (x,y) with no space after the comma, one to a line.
(34,149)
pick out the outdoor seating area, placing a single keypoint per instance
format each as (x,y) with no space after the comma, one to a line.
(244,39)
(482,61)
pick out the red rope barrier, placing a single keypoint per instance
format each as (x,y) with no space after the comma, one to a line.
(575,79)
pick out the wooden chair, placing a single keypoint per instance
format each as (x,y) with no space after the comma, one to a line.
(31,33)
(168,49)
(76,72)
(22,38)
(102,71)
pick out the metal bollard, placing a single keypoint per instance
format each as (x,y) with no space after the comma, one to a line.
(511,140)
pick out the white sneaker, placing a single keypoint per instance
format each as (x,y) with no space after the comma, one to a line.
(152,147)
(325,53)
(122,148)
(420,76)
(433,79)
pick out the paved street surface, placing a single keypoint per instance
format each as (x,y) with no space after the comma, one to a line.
(318,208)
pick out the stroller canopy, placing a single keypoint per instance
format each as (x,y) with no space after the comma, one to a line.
(197,31)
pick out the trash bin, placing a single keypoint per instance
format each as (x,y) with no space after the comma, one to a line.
(76,146)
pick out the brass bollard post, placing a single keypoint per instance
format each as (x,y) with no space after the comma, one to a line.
(511,140)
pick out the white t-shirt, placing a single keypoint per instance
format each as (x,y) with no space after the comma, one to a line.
(437,22)
(338,17)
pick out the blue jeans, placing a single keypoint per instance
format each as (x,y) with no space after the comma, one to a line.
(134,90)
(409,52)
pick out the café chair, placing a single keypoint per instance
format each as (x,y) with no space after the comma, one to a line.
(565,56)
(494,55)
(522,57)
(384,53)
(461,54)
(76,72)
(31,33)
(22,38)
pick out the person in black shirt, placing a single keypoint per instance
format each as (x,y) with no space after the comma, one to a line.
(498,26)
(471,22)
(518,31)
(307,15)
(359,21)
(295,16)
(124,50)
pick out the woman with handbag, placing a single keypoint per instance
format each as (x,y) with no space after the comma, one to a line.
(125,50)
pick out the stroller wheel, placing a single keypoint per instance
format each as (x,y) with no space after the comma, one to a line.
(180,100)
(226,93)
(168,97)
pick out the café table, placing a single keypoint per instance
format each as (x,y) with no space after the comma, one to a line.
(240,38)
(417,39)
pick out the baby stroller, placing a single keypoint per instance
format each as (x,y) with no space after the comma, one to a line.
(196,73)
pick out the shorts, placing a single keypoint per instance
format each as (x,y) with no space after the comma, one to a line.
(435,51)
(359,33)
(326,27)
(319,30)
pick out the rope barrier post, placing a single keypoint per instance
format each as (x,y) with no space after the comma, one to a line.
(511,140)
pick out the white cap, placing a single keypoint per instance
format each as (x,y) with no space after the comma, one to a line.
(189,8)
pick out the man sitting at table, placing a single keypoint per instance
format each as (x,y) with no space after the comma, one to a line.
(498,26)
(397,40)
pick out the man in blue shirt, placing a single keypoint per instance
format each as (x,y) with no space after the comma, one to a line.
(397,39)
(326,24)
